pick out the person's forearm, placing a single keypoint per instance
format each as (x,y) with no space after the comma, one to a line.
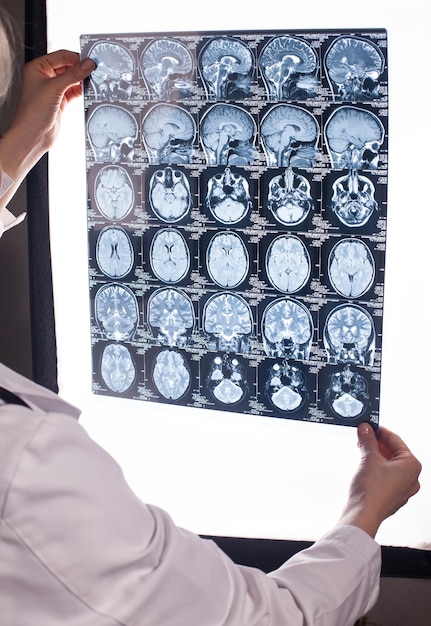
(358,515)
(18,154)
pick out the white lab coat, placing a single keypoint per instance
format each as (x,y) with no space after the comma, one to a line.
(78,548)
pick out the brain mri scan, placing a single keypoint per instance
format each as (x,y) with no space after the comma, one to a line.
(227,67)
(228,134)
(171,374)
(228,196)
(354,137)
(349,335)
(289,198)
(237,214)
(118,368)
(168,133)
(227,380)
(347,393)
(114,193)
(169,194)
(171,317)
(289,67)
(287,329)
(288,263)
(351,268)
(167,67)
(227,259)
(354,67)
(353,200)
(289,135)
(114,252)
(112,131)
(116,311)
(228,323)
(286,387)
(115,69)
(169,255)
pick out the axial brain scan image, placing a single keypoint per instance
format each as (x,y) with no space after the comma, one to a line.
(169,194)
(117,368)
(169,255)
(227,259)
(237,205)
(114,252)
(288,263)
(114,193)
(228,196)
(171,374)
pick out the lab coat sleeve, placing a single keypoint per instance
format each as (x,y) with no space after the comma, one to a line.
(7,219)
(105,558)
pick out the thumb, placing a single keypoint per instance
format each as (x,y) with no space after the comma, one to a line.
(75,74)
(367,441)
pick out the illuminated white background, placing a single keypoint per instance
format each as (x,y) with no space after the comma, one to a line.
(224,473)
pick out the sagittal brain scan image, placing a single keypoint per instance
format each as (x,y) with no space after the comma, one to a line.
(112,131)
(289,135)
(167,67)
(113,76)
(289,68)
(237,197)
(227,67)
(354,137)
(168,133)
(228,134)
(354,66)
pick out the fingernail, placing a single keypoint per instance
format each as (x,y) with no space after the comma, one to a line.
(88,64)
(364,428)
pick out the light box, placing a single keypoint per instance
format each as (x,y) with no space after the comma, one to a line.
(239,474)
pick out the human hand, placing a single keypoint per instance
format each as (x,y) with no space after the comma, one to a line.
(49,83)
(386,478)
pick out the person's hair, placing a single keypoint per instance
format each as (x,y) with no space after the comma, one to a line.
(7,59)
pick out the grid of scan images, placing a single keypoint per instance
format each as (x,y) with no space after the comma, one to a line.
(237,203)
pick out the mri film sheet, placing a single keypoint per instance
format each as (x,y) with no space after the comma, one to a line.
(237,206)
